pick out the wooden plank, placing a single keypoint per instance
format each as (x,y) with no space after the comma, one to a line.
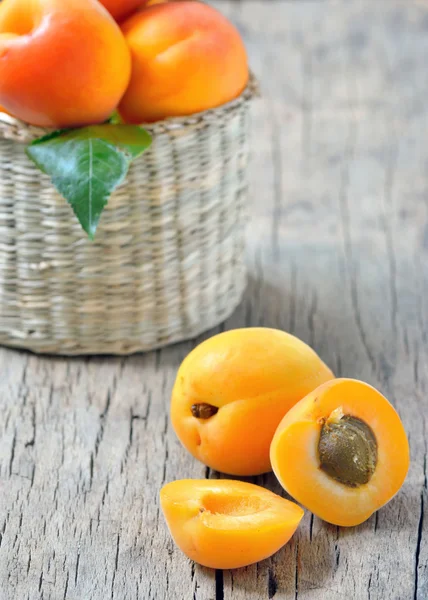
(337,250)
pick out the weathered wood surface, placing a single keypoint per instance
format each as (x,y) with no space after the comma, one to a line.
(338,254)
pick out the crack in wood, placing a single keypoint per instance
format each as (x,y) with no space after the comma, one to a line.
(311,526)
(272,584)
(31,442)
(76,570)
(337,555)
(219,585)
(116,565)
(66,586)
(296,573)
(12,453)
(369,593)
(418,546)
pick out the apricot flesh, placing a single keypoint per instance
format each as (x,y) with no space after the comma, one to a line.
(227,524)
(62,64)
(342,452)
(232,391)
(186,58)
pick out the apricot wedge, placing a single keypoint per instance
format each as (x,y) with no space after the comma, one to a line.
(342,452)
(227,524)
(233,390)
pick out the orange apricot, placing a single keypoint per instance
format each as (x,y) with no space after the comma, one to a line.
(342,452)
(227,524)
(120,9)
(62,64)
(186,58)
(232,391)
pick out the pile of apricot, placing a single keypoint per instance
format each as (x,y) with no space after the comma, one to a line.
(254,400)
(70,63)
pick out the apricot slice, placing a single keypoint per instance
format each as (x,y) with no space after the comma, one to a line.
(227,524)
(233,390)
(342,452)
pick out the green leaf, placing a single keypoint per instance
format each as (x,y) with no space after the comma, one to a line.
(115,118)
(86,165)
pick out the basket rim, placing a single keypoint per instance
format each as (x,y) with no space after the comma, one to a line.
(15,130)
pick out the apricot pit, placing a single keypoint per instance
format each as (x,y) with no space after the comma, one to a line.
(347,450)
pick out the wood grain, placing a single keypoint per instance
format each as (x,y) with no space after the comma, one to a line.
(338,254)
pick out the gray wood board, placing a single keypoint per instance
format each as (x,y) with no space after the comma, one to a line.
(338,255)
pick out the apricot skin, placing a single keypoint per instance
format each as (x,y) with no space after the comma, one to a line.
(120,9)
(63,64)
(253,376)
(296,461)
(227,524)
(186,58)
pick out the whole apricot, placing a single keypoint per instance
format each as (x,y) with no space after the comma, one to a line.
(342,452)
(186,58)
(232,391)
(227,524)
(62,64)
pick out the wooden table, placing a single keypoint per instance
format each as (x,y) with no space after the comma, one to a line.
(338,255)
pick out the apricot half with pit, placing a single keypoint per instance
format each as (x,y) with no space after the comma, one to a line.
(227,524)
(233,390)
(342,452)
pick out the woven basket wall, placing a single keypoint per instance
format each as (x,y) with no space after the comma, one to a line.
(168,258)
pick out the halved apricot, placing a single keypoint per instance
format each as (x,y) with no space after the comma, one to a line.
(227,524)
(342,452)
(232,391)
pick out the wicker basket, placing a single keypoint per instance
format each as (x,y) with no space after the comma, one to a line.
(168,258)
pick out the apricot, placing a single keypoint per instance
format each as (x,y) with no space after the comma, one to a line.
(232,391)
(63,64)
(186,58)
(342,452)
(120,9)
(227,524)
